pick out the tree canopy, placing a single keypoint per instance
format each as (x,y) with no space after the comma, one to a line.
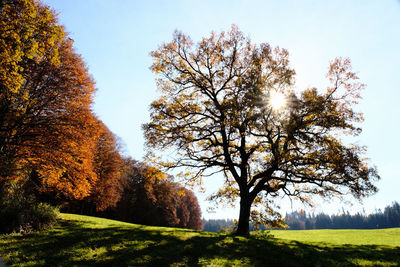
(229,106)
(53,148)
(151,197)
(46,122)
(106,190)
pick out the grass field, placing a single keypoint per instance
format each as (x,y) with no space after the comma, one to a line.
(81,240)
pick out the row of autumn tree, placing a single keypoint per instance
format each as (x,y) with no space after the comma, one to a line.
(131,191)
(143,195)
(53,148)
(389,217)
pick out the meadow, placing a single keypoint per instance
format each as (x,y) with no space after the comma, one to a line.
(83,240)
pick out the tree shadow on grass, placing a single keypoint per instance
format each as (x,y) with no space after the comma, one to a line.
(74,243)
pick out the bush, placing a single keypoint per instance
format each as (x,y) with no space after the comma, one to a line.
(19,211)
(262,234)
(229,230)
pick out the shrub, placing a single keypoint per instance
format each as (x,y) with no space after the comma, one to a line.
(262,234)
(229,230)
(19,211)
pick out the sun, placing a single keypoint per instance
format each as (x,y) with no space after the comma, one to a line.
(277,100)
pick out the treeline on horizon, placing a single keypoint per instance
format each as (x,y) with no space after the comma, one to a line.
(300,220)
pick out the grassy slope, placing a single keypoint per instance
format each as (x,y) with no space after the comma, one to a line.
(82,240)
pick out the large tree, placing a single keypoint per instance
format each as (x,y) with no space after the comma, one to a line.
(229,106)
(47,128)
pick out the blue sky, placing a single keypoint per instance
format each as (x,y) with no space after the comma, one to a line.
(115,39)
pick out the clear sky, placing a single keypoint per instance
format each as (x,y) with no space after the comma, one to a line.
(116,36)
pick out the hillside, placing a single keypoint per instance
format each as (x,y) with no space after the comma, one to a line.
(83,240)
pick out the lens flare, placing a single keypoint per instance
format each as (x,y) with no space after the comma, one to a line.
(277,100)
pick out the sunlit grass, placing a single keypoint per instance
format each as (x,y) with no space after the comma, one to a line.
(385,237)
(83,240)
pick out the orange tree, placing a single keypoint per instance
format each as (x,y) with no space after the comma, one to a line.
(110,170)
(46,123)
(228,106)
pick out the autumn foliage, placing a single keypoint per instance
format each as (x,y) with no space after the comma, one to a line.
(110,171)
(189,212)
(218,112)
(109,167)
(46,122)
(152,198)
(53,148)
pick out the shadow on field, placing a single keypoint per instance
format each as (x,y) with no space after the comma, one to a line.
(72,243)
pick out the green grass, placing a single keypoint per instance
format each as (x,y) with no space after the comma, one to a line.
(381,237)
(82,240)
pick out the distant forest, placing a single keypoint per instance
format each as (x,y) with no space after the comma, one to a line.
(388,218)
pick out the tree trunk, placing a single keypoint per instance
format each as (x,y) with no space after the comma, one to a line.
(244,217)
